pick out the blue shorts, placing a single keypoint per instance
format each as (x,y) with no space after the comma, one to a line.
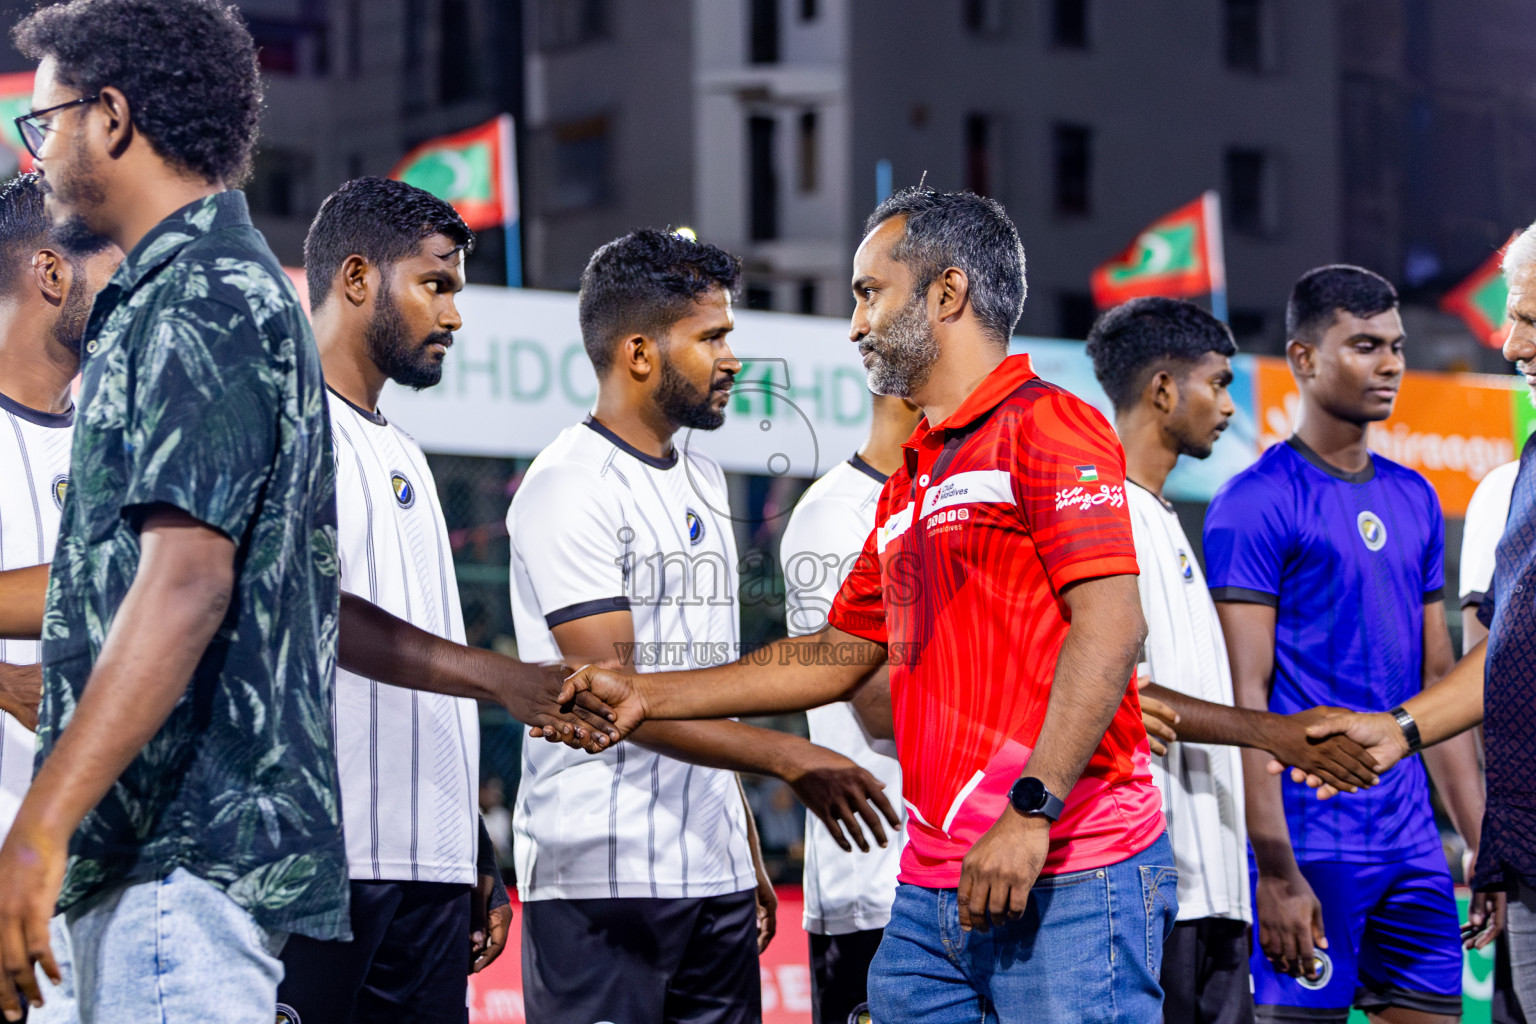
(1394,939)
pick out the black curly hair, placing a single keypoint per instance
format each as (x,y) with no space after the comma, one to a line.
(1131,342)
(1321,292)
(25,228)
(383,221)
(187,67)
(643,283)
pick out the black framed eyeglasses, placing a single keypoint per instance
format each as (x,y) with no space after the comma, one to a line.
(33,133)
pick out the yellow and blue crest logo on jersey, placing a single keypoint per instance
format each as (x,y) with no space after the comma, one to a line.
(287,1014)
(695,528)
(1372,530)
(405,492)
(58,489)
(1186,567)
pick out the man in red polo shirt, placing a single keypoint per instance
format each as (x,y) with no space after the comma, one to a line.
(999,582)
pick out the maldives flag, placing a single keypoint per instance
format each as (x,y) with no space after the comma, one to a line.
(15,100)
(1480,300)
(1176,256)
(471,169)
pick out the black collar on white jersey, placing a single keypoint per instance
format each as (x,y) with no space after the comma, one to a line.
(376,418)
(868,470)
(31,415)
(1301,448)
(656,461)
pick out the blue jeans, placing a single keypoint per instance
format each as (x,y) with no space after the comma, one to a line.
(173,951)
(1088,950)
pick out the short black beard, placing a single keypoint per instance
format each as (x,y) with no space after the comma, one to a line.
(407,363)
(683,404)
(905,351)
(75,314)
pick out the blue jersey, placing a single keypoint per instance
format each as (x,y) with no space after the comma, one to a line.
(1348,561)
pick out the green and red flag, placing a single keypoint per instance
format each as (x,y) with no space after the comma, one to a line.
(15,100)
(1177,256)
(1481,298)
(471,169)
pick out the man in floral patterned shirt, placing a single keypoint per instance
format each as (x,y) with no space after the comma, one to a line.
(186,762)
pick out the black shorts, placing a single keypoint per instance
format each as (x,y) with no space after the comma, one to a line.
(408,961)
(840,975)
(683,961)
(1205,973)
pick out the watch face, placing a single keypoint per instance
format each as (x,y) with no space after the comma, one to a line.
(1029,794)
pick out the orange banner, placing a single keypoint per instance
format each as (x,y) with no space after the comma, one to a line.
(1453,428)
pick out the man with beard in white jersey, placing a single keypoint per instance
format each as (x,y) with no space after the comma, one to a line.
(384,261)
(47,281)
(847,895)
(636,867)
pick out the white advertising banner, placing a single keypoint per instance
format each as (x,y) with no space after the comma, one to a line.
(517,375)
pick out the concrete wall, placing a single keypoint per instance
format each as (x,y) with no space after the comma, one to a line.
(1163,107)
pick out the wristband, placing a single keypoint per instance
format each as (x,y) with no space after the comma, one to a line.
(1410,728)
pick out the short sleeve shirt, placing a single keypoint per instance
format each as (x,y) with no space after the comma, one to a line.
(995,511)
(1348,561)
(201,390)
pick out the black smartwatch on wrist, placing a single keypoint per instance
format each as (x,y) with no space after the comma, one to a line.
(1030,798)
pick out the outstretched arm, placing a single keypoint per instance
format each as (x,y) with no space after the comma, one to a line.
(788,675)
(1446,709)
(1344,765)
(375,644)
(831,786)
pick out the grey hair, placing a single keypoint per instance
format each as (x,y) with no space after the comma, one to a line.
(964,230)
(1521,252)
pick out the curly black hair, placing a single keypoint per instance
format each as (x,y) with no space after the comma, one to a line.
(1322,291)
(383,221)
(643,283)
(1131,342)
(187,67)
(25,228)
(965,230)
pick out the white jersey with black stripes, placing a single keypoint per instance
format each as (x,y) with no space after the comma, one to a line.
(34,477)
(409,761)
(598,526)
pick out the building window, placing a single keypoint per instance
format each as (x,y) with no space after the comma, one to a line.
(1072,170)
(1253,193)
(582,164)
(759,297)
(981,142)
(809,155)
(763,186)
(279,179)
(808,10)
(1075,313)
(563,23)
(805,297)
(763,43)
(982,17)
(456,70)
(1249,35)
(1069,24)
